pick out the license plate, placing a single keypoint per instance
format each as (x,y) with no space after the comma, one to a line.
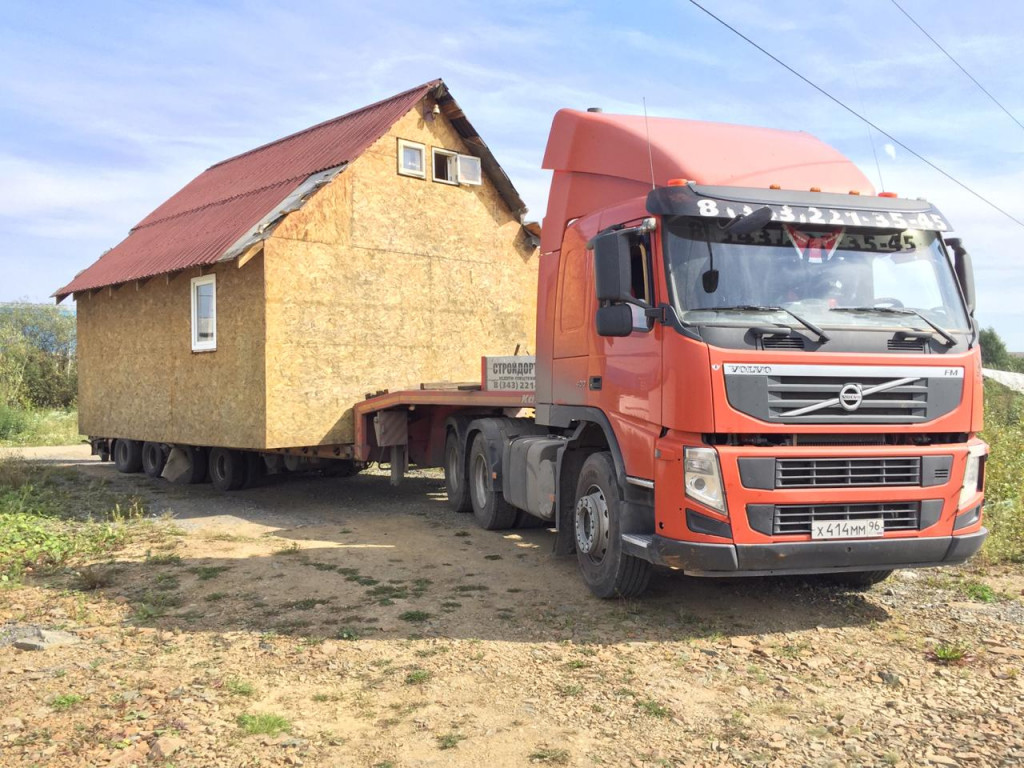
(847,529)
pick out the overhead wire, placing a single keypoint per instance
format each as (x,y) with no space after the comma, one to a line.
(859,116)
(958,64)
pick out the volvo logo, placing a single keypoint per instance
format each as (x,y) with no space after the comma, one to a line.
(851,396)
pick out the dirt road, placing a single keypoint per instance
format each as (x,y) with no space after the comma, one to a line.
(388,631)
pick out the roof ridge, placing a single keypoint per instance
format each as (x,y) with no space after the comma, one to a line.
(430,84)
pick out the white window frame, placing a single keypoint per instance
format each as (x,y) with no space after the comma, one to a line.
(473,161)
(452,162)
(197,344)
(402,170)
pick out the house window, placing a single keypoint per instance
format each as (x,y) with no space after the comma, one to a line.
(469,170)
(446,166)
(453,168)
(204,313)
(410,159)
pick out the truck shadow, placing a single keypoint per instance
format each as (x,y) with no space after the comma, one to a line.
(338,558)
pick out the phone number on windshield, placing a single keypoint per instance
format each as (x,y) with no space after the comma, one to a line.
(830,216)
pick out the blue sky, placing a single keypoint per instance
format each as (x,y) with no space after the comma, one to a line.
(108,108)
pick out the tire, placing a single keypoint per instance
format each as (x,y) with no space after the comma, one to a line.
(606,569)
(154,458)
(490,509)
(128,455)
(856,579)
(227,469)
(455,475)
(198,465)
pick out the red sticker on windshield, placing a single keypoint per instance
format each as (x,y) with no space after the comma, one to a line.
(817,248)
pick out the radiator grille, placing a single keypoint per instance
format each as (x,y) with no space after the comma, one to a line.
(903,404)
(831,473)
(797,518)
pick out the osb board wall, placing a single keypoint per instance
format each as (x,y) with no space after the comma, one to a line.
(140,379)
(383,281)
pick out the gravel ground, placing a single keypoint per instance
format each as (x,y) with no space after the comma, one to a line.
(387,631)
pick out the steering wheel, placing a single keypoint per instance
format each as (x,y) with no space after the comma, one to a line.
(888,301)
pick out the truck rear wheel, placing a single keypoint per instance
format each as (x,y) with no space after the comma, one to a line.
(490,509)
(154,459)
(607,570)
(455,475)
(227,469)
(128,455)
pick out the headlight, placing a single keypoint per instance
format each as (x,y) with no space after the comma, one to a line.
(972,474)
(702,478)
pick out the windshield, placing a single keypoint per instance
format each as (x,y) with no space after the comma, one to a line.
(811,270)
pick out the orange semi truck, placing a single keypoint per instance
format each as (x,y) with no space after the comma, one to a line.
(747,363)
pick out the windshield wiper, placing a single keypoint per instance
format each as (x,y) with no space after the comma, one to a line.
(946,335)
(822,336)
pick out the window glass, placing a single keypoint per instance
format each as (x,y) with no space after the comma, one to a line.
(204,313)
(410,158)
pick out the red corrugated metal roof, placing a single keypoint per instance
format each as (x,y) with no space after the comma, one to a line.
(198,224)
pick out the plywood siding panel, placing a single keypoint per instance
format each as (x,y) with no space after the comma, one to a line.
(138,376)
(383,281)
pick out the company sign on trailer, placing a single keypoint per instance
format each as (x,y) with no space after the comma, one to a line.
(509,373)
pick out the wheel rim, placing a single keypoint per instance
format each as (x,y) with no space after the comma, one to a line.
(121,452)
(220,466)
(453,467)
(592,524)
(480,481)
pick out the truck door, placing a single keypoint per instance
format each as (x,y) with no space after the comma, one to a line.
(624,375)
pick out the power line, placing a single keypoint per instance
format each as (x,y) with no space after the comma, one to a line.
(959,65)
(859,116)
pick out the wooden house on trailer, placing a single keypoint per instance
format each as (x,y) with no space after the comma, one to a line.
(257,305)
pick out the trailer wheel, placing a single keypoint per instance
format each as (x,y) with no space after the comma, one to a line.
(856,579)
(154,459)
(255,469)
(455,475)
(490,509)
(607,570)
(128,455)
(227,469)
(198,465)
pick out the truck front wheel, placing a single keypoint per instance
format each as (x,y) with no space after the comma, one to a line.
(490,509)
(607,570)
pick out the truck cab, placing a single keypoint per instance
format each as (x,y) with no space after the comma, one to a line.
(747,361)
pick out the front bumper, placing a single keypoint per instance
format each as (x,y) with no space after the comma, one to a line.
(697,559)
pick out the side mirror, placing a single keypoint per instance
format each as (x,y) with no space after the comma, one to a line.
(964,271)
(615,320)
(611,266)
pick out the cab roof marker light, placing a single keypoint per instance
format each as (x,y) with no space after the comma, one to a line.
(815,189)
(854,191)
(774,186)
(678,182)
(887,194)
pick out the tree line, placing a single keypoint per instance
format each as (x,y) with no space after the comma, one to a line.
(38,368)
